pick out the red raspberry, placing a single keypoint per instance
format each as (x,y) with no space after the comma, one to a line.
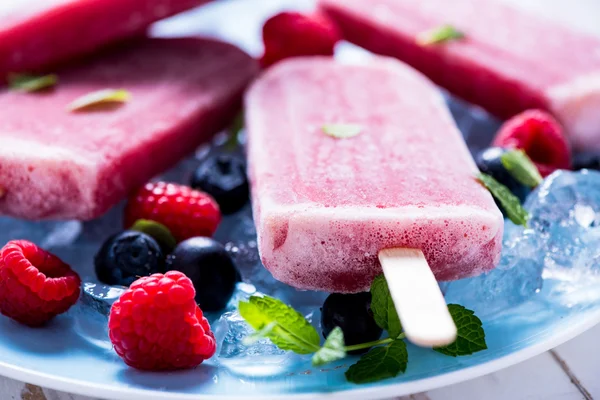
(157,326)
(540,136)
(185,211)
(35,285)
(292,34)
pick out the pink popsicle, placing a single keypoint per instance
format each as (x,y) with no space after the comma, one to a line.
(34,35)
(324,207)
(60,164)
(509,60)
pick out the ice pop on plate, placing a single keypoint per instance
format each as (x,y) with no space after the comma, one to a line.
(327,208)
(56,163)
(37,33)
(507,61)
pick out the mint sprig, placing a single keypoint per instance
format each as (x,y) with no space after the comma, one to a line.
(332,350)
(383,308)
(31,83)
(520,166)
(99,98)
(342,131)
(511,204)
(290,330)
(440,34)
(470,337)
(380,363)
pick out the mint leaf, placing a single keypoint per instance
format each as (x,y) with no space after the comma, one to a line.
(31,83)
(100,97)
(520,166)
(470,337)
(342,131)
(511,204)
(379,363)
(291,330)
(384,311)
(234,131)
(440,34)
(157,231)
(332,350)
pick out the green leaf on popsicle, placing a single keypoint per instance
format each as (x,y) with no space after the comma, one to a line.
(470,336)
(31,83)
(342,131)
(382,306)
(99,98)
(284,326)
(440,34)
(380,363)
(520,166)
(332,350)
(511,204)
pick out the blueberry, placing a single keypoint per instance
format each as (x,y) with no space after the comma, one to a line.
(126,256)
(488,161)
(224,178)
(586,160)
(211,269)
(352,313)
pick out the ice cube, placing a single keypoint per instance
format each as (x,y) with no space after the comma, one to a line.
(515,279)
(99,297)
(559,252)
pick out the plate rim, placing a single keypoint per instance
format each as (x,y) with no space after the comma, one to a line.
(83,388)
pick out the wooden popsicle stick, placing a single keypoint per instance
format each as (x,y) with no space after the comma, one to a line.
(418,299)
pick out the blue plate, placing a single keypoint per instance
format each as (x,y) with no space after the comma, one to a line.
(73,353)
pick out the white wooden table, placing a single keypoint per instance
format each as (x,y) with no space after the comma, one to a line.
(569,372)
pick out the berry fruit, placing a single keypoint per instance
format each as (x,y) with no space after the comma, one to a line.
(126,256)
(35,285)
(224,178)
(488,161)
(184,211)
(210,268)
(156,325)
(352,313)
(540,136)
(587,160)
(292,34)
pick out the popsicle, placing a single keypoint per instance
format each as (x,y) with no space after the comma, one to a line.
(58,164)
(509,60)
(327,209)
(36,34)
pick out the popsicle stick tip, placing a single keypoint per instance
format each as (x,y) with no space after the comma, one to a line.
(416,294)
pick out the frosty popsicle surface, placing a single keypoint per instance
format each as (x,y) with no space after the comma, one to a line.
(324,206)
(509,60)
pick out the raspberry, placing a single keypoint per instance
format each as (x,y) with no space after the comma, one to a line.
(186,212)
(292,34)
(35,285)
(540,136)
(156,325)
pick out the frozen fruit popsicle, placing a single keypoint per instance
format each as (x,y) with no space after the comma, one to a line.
(60,164)
(508,61)
(35,34)
(326,207)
